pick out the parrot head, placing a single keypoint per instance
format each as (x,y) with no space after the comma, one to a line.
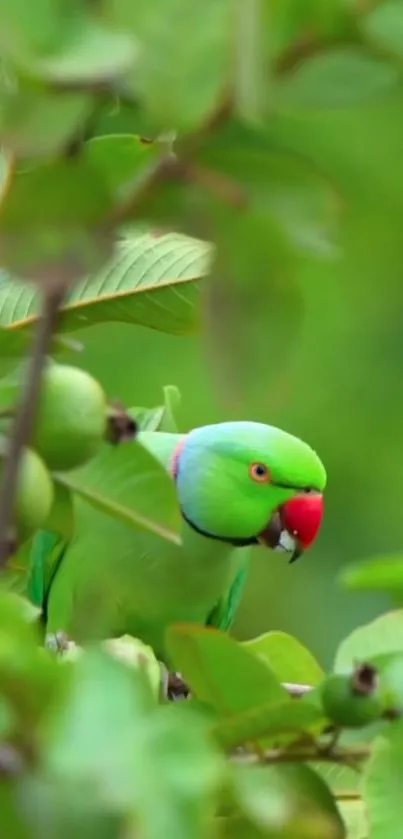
(248,483)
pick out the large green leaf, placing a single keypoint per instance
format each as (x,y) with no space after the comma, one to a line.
(34,122)
(152,280)
(155,765)
(220,671)
(287,657)
(128,483)
(382,788)
(63,43)
(382,635)
(337,78)
(91,716)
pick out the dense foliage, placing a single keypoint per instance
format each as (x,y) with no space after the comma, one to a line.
(156,171)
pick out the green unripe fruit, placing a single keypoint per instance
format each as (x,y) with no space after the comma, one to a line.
(34,492)
(347,706)
(137,655)
(71,421)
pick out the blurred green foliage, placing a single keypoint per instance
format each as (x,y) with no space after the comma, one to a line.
(272,131)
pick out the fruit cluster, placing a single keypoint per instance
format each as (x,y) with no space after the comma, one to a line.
(72,422)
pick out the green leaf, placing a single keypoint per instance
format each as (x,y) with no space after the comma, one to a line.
(36,29)
(183,48)
(131,755)
(291,801)
(277,723)
(129,484)
(148,419)
(14,347)
(382,791)
(342,780)
(38,122)
(157,419)
(172,399)
(220,671)
(352,811)
(123,159)
(382,635)
(63,43)
(152,281)
(91,737)
(337,78)
(28,676)
(51,220)
(179,768)
(14,577)
(93,53)
(292,22)
(377,573)
(287,657)
(384,26)
(53,807)
(12,816)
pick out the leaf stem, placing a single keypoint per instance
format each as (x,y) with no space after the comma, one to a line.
(24,420)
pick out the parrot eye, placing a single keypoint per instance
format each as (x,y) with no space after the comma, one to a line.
(259,472)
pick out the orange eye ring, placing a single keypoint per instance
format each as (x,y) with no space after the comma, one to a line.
(259,473)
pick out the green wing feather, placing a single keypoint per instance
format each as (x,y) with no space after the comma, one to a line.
(46,552)
(223,615)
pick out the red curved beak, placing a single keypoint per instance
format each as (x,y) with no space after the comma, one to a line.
(302,517)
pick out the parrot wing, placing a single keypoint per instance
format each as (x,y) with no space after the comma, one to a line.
(47,551)
(223,614)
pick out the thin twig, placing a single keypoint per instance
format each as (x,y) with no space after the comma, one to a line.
(24,419)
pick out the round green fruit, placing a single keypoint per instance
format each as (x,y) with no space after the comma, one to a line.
(346,707)
(71,420)
(34,493)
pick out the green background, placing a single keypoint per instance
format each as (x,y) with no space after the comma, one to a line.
(343,392)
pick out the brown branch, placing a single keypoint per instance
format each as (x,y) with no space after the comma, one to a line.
(24,420)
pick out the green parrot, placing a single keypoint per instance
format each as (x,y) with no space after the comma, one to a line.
(238,484)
